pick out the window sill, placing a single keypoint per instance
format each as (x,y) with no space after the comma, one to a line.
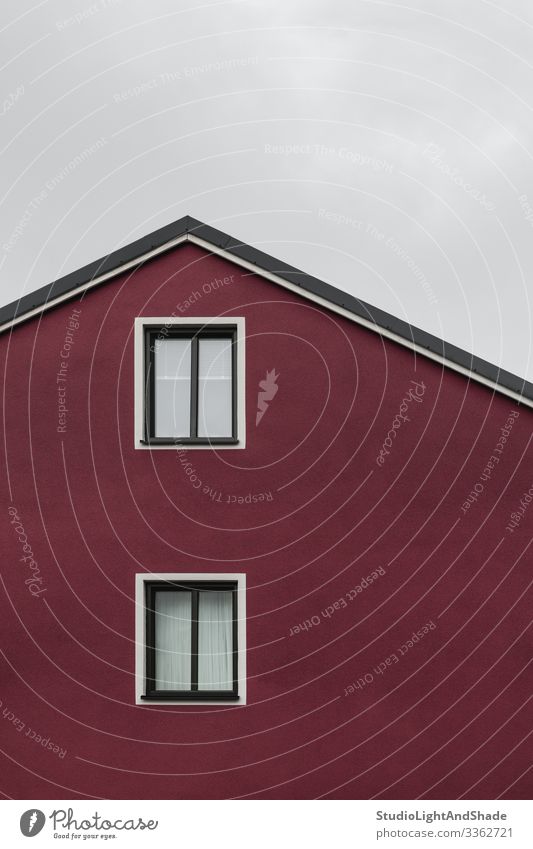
(178,443)
(207,696)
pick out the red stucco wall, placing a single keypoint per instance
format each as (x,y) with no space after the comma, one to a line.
(446,718)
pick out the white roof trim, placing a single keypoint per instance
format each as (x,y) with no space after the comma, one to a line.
(424,352)
(53,302)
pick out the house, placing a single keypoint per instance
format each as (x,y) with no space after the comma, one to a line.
(261,540)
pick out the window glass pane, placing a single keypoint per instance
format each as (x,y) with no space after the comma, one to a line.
(172,387)
(173,614)
(214,387)
(215,640)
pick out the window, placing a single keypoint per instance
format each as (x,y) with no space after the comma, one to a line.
(193,629)
(190,383)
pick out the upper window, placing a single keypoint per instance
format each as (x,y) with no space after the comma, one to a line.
(191,384)
(191,647)
(192,376)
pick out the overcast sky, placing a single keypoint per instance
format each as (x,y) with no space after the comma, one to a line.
(384,147)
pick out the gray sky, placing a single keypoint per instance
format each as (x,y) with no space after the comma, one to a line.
(386,148)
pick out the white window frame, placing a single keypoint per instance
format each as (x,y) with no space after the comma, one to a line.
(139,354)
(140,634)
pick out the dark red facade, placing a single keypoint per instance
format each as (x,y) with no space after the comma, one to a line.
(343,702)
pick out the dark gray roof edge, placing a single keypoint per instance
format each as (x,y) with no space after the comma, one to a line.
(71,282)
(433,344)
(376,316)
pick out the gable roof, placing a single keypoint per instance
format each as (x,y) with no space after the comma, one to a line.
(190,229)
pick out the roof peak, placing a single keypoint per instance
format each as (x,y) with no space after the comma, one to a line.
(188,228)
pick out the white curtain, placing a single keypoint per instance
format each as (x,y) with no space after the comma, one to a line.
(173,614)
(215,641)
(214,387)
(173,387)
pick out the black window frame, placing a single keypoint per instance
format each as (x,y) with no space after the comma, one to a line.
(154,333)
(194,694)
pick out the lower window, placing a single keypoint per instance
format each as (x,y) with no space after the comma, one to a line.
(191,649)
